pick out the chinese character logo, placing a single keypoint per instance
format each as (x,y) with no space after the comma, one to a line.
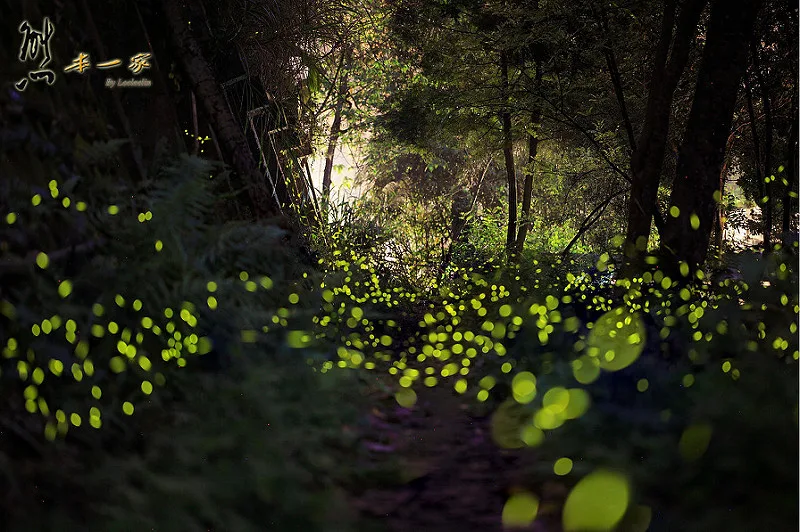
(109,64)
(139,62)
(80,64)
(36,47)
(35,44)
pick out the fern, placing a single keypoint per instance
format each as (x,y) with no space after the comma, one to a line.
(97,152)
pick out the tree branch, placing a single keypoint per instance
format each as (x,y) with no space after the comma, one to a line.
(616,78)
(599,147)
(592,218)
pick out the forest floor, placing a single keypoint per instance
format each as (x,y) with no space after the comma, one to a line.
(456,477)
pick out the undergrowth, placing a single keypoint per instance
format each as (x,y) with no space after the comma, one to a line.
(164,369)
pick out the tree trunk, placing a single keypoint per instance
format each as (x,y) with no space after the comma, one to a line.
(769,187)
(209,93)
(686,236)
(527,190)
(533,148)
(459,230)
(616,78)
(791,168)
(758,166)
(751,112)
(336,130)
(648,157)
(719,225)
(508,154)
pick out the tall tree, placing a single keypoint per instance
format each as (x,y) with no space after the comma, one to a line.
(508,157)
(533,149)
(767,200)
(336,129)
(692,201)
(792,154)
(209,93)
(672,53)
(792,149)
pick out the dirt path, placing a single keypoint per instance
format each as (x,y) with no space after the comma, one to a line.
(457,478)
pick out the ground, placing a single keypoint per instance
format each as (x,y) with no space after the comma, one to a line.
(457,478)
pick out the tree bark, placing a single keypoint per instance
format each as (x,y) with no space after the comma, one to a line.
(527,189)
(677,35)
(758,166)
(789,199)
(686,236)
(336,130)
(719,225)
(508,155)
(768,134)
(616,81)
(459,230)
(209,93)
(533,149)
(616,78)
(791,168)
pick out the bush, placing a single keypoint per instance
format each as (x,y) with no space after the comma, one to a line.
(101,347)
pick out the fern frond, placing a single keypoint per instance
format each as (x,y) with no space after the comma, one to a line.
(97,152)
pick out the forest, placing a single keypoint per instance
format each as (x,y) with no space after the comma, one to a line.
(399,265)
